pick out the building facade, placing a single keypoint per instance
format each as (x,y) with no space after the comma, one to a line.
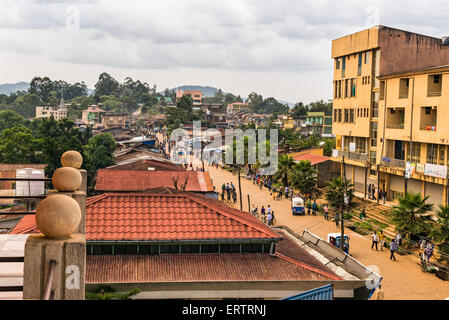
(58,113)
(196,96)
(414,153)
(93,113)
(360,60)
(319,123)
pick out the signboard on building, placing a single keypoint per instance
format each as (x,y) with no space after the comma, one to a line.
(335,153)
(351,146)
(420,167)
(409,169)
(434,170)
(386,159)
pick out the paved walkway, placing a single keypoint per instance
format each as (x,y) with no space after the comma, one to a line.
(403,279)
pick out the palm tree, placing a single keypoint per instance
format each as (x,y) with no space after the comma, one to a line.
(440,233)
(410,215)
(303,177)
(335,192)
(285,163)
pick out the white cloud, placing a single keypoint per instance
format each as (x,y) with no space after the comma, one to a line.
(232,38)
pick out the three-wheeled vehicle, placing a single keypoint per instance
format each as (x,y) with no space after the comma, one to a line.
(297,206)
(335,239)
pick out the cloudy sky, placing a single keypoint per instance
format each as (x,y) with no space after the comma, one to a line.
(278,48)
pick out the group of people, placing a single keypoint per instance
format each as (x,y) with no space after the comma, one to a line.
(276,193)
(381,193)
(380,239)
(265,215)
(229,190)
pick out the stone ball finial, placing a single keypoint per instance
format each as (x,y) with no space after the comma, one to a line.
(58,216)
(72,159)
(66,179)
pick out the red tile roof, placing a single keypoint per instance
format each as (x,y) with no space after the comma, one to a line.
(162,217)
(313,158)
(27,225)
(165,217)
(143,165)
(131,180)
(199,267)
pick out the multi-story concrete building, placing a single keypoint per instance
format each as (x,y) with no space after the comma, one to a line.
(196,96)
(59,112)
(237,107)
(414,152)
(360,61)
(319,123)
(93,113)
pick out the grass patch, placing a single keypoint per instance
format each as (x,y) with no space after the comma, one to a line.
(110,294)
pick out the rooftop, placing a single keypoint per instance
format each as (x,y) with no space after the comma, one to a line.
(313,158)
(162,217)
(134,180)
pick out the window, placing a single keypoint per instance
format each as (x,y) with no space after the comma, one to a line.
(359,65)
(441,154)
(382,90)
(415,151)
(432,153)
(346,115)
(434,85)
(428,118)
(352,93)
(403,88)
(372,158)
(339,115)
(347,88)
(351,115)
(337,63)
(343,67)
(366,57)
(360,145)
(373,134)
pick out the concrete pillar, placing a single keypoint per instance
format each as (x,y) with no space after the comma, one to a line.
(444,186)
(55,261)
(83,186)
(387,185)
(423,188)
(69,273)
(353,175)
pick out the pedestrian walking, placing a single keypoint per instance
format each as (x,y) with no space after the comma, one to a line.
(222,196)
(269,219)
(362,215)
(314,207)
(373,189)
(381,240)
(326,212)
(262,213)
(369,191)
(309,206)
(393,247)
(273,219)
(234,196)
(384,195)
(375,239)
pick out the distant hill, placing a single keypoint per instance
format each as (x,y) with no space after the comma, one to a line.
(9,88)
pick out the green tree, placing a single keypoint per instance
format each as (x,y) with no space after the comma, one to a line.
(41,87)
(299,110)
(25,105)
(335,192)
(303,176)
(9,119)
(17,145)
(328,146)
(410,216)
(107,85)
(98,154)
(185,103)
(285,164)
(440,232)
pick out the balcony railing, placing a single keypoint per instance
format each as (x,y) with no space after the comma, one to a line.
(434,93)
(395,126)
(389,162)
(352,155)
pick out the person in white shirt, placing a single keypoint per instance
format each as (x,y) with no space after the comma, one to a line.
(374,238)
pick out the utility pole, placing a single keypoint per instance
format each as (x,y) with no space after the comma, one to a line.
(342,220)
(249,204)
(240,190)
